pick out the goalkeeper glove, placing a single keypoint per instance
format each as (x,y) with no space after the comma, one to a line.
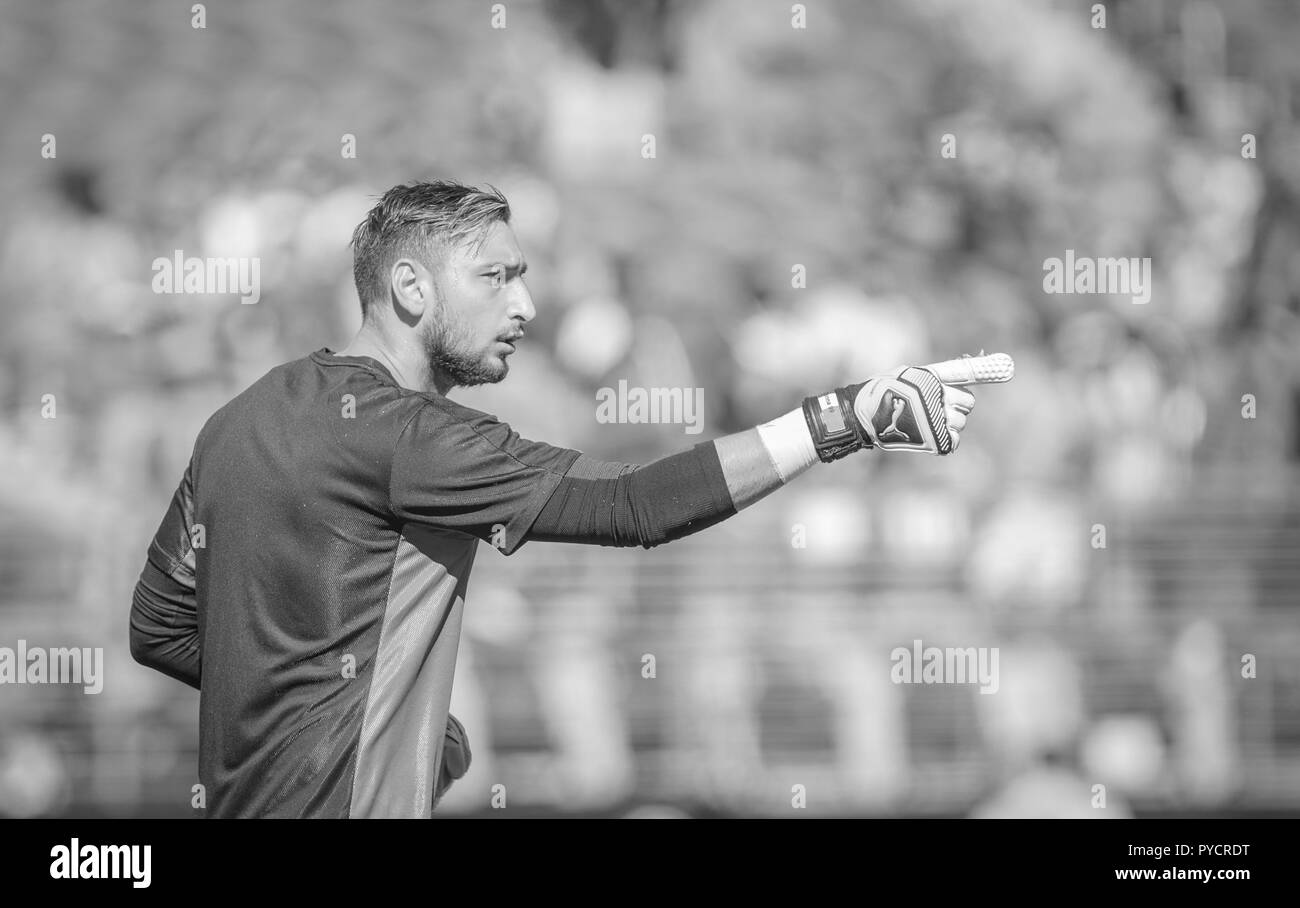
(455,757)
(906,409)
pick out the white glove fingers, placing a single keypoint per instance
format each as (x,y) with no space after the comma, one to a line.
(958,399)
(956,420)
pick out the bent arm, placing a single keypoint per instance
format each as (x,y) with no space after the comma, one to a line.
(164,611)
(164,625)
(625,505)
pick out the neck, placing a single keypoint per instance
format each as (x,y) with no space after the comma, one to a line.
(406,361)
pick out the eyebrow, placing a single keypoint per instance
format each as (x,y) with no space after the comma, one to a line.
(522,267)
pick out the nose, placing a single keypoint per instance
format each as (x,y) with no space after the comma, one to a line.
(521,303)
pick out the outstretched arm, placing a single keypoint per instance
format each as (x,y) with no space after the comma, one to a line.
(458,468)
(621,504)
(625,505)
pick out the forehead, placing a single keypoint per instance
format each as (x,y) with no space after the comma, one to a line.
(499,245)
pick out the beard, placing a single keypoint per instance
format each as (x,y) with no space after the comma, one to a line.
(450,349)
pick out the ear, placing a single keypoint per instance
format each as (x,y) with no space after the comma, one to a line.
(412,287)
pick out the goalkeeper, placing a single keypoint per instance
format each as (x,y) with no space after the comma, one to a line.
(310,574)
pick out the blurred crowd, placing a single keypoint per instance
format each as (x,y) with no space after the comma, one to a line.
(1121,520)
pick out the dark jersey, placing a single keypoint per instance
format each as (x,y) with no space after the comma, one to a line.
(323,536)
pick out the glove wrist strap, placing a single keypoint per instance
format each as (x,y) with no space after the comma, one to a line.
(833,425)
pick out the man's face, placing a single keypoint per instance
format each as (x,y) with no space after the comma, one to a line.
(481,307)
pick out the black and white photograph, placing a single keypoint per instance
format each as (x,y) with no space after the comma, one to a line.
(884,411)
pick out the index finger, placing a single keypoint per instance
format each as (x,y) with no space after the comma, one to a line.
(975,370)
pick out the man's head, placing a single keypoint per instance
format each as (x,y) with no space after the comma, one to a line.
(438,263)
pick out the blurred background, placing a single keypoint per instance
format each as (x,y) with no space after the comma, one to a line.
(796,228)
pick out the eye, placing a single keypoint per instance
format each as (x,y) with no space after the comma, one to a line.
(498,278)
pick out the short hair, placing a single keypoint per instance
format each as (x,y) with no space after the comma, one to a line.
(421,220)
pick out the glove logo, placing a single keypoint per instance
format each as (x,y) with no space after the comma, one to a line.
(894,420)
